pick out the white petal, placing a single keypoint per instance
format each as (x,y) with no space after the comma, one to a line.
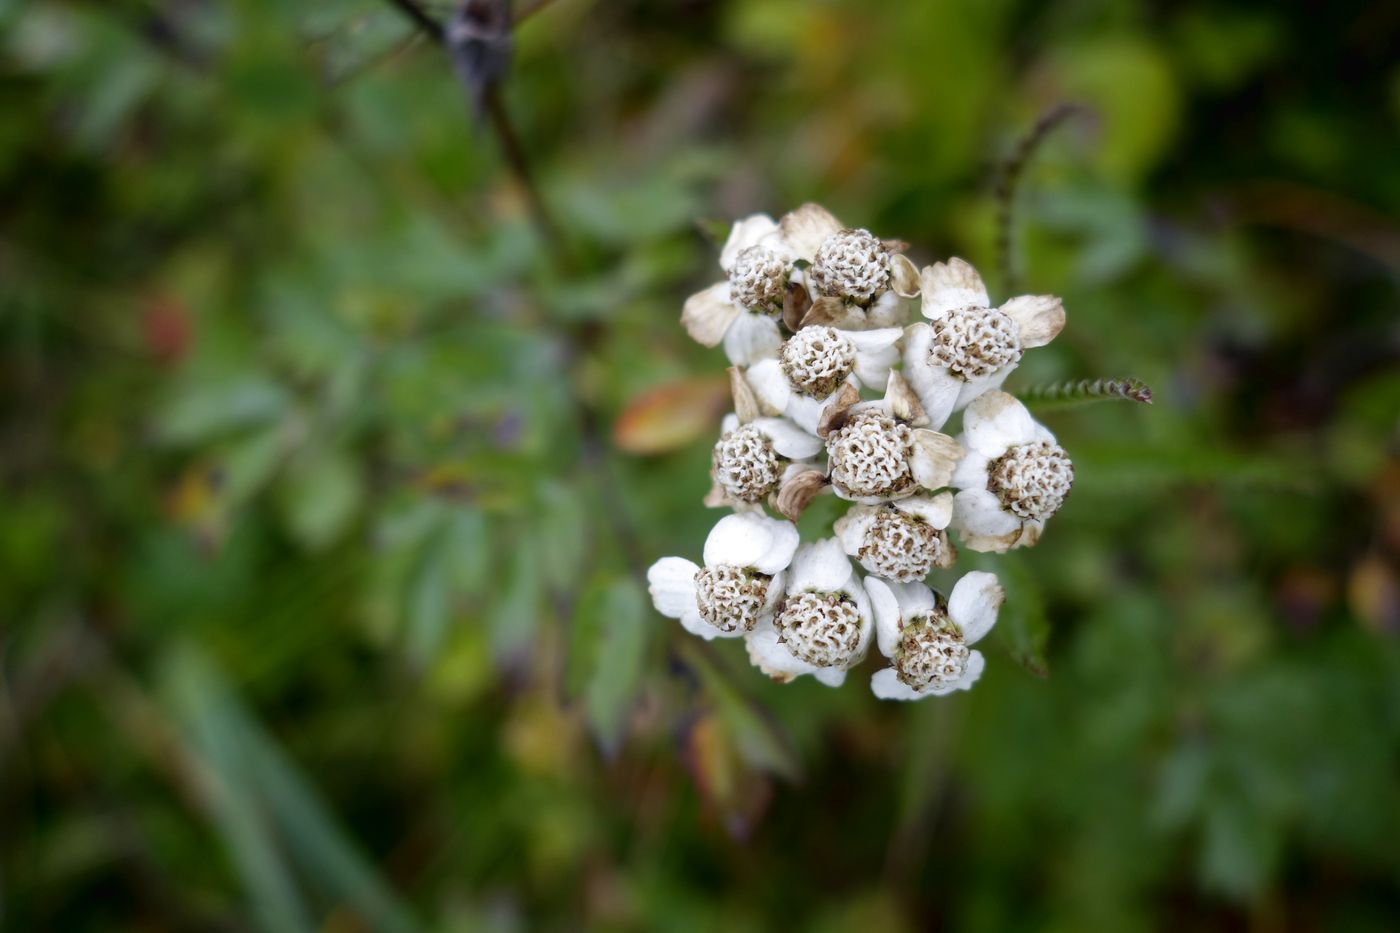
(777,589)
(975,665)
(887,686)
(745,233)
(876,352)
(707,315)
(1039,318)
(913,598)
(885,607)
(936,510)
(858,592)
(935,457)
(949,285)
(973,604)
(830,676)
(728,423)
(973,389)
(936,388)
(972,470)
(804,411)
(750,540)
(979,512)
(995,422)
(804,229)
(854,527)
(772,658)
(770,384)
(889,310)
(695,625)
(789,440)
(671,582)
(904,276)
(752,337)
(821,566)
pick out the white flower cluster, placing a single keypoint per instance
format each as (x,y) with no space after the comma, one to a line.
(814,317)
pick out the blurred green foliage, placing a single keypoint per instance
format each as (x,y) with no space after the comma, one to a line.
(319,573)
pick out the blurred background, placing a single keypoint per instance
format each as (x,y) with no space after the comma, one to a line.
(327,477)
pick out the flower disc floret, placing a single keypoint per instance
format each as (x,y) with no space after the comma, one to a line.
(818,359)
(730,598)
(851,264)
(758,279)
(822,629)
(974,342)
(931,652)
(901,547)
(1032,480)
(870,455)
(746,465)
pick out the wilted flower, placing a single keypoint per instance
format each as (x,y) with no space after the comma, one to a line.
(816,363)
(854,278)
(742,310)
(970,347)
(929,643)
(751,461)
(739,586)
(901,540)
(822,625)
(1013,478)
(876,451)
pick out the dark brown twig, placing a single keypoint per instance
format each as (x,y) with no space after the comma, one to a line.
(1010,176)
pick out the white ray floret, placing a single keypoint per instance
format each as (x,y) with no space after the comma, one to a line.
(969,347)
(740,583)
(929,642)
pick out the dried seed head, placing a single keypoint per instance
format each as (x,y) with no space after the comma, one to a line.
(974,342)
(820,628)
(870,455)
(931,652)
(758,279)
(746,465)
(730,598)
(817,360)
(902,547)
(1032,480)
(851,264)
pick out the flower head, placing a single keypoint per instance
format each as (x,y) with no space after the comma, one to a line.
(968,347)
(901,540)
(857,278)
(876,451)
(822,625)
(752,460)
(929,642)
(741,310)
(740,583)
(816,363)
(1013,478)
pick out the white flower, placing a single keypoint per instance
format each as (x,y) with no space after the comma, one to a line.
(815,363)
(875,451)
(1012,479)
(740,584)
(822,626)
(751,461)
(857,278)
(742,310)
(928,642)
(901,540)
(970,347)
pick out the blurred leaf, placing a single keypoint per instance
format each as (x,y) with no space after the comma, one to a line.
(736,792)
(428,602)
(320,496)
(672,415)
(619,652)
(201,411)
(760,740)
(1023,625)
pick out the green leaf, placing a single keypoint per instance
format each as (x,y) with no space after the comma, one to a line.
(1023,626)
(320,496)
(617,666)
(202,411)
(428,602)
(762,741)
